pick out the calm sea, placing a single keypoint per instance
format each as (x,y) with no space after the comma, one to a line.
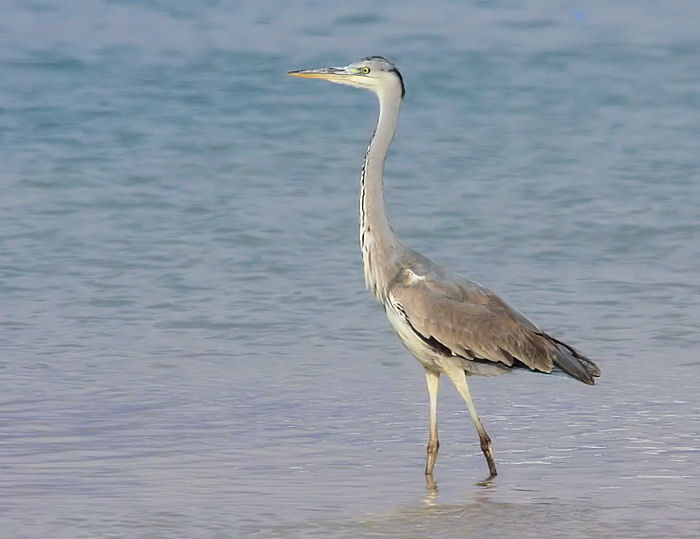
(186,345)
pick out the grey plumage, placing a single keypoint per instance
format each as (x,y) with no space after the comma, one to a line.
(452,325)
(466,320)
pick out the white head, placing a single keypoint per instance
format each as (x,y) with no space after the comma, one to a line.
(374,73)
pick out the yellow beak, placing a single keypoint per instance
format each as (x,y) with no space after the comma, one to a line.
(326,73)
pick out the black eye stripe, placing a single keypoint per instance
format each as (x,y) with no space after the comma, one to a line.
(391,69)
(403,88)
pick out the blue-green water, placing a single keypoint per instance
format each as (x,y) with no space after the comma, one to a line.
(186,345)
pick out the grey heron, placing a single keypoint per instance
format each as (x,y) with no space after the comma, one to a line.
(453,326)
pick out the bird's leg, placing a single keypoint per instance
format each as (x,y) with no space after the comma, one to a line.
(459,378)
(432,379)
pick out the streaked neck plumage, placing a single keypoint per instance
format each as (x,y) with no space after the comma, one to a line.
(379,243)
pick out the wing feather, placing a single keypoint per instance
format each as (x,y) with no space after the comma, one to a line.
(474,323)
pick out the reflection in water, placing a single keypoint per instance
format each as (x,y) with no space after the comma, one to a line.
(431,487)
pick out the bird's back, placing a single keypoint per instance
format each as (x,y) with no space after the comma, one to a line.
(441,312)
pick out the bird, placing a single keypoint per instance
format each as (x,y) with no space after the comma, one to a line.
(453,326)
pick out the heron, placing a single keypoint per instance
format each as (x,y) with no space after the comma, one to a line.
(450,324)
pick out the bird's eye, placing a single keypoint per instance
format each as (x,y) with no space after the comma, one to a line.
(365,70)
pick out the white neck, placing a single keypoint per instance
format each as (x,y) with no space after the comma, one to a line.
(377,239)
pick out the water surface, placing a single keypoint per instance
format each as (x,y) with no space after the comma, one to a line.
(186,345)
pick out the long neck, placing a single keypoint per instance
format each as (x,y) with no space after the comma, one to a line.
(377,239)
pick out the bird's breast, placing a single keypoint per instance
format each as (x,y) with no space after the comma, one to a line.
(413,342)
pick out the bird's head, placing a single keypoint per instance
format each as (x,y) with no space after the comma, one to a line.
(374,73)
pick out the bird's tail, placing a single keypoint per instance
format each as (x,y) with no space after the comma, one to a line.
(574,363)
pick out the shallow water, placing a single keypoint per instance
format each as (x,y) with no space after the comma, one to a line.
(186,345)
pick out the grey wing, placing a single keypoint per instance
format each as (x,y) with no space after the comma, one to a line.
(470,321)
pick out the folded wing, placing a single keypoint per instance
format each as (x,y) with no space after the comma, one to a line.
(473,323)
